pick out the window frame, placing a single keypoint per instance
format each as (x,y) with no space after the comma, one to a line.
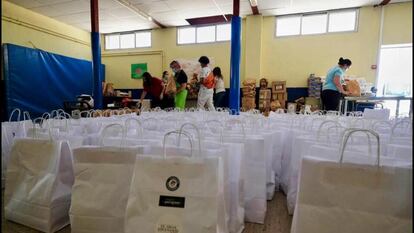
(143,31)
(314,14)
(123,33)
(195,36)
(113,34)
(219,41)
(195,31)
(327,32)
(126,33)
(290,16)
(356,26)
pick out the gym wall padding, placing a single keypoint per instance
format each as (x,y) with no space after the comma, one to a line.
(37,81)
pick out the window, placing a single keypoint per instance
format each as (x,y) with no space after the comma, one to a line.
(395,75)
(112,42)
(142,39)
(314,24)
(317,23)
(127,41)
(186,35)
(138,39)
(342,21)
(206,34)
(203,34)
(288,26)
(223,32)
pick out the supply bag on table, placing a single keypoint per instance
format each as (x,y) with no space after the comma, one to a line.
(171,87)
(352,86)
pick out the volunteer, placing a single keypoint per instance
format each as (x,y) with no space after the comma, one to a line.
(332,88)
(154,87)
(181,81)
(165,77)
(167,97)
(206,80)
(220,91)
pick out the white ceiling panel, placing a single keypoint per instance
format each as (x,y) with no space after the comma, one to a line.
(75,18)
(174,23)
(49,11)
(270,4)
(116,17)
(109,4)
(187,5)
(159,6)
(50,2)
(122,12)
(26,3)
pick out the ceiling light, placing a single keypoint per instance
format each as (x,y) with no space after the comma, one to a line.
(149,18)
(253,2)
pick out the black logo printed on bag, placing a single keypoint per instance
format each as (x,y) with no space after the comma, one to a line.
(173,183)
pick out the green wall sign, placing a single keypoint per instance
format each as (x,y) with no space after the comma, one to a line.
(138,69)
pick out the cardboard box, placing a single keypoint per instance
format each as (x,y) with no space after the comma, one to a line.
(248,103)
(279,96)
(265,94)
(264,104)
(279,86)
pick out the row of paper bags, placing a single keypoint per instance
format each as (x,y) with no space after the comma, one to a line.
(113,189)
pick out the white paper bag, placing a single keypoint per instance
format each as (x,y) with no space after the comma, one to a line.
(176,194)
(100,192)
(38,184)
(353,197)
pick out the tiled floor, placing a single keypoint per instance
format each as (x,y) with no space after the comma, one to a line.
(277,220)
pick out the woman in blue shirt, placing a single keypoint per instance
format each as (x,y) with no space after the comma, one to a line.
(332,88)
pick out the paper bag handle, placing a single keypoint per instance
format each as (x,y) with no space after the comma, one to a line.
(198,134)
(179,133)
(105,130)
(128,121)
(242,125)
(379,123)
(397,124)
(318,134)
(34,128)
(351,131)
(220,127)
(12,113)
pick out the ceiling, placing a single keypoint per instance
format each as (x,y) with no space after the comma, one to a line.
(115,17)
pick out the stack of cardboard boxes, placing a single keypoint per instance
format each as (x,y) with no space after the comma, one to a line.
(249,94)
(279,92)
(314,86)
(265,96)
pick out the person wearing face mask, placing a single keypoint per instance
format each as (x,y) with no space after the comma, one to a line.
(332,88)
(181,81)
(167,97)
(207,82)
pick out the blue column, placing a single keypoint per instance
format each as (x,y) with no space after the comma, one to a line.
(96,64)
(235,65)
(96,56)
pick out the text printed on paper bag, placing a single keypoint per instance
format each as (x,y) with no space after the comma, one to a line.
(170,201)
(167,228)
